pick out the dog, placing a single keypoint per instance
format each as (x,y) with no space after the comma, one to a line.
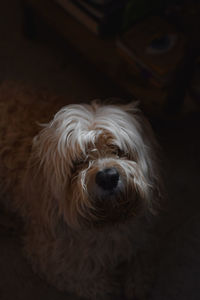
(83,177)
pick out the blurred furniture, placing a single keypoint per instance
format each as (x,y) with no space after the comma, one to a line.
(103,54)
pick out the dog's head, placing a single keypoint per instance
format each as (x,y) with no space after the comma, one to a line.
(96,164)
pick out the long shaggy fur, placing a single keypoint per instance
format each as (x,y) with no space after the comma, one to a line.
(79,237)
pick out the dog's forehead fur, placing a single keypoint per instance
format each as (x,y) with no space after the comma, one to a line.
(86,126)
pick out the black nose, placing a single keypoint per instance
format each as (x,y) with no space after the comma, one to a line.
(107,179)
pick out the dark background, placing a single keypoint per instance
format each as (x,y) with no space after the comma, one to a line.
(45,64)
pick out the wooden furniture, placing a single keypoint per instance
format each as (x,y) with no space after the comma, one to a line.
(100,52)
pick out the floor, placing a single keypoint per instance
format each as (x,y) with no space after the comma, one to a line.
(46,66)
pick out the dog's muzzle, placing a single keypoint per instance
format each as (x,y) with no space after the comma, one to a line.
(113,200)
(107,179)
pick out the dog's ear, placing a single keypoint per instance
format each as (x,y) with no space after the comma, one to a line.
(154,151)
(44,184)
(151,152)
(155,155)
(40,206)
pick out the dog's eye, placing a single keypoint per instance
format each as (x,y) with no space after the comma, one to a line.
(79,162)
(117,151)
(121,153)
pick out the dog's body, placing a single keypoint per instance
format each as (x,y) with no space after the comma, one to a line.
(81,183)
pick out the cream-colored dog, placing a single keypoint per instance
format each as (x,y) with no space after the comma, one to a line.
(82,181)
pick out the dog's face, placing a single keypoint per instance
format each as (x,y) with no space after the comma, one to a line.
(98,163)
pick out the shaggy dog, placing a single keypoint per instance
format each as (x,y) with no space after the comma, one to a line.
(83,178)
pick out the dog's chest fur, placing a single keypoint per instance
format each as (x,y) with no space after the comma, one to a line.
(82,256)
